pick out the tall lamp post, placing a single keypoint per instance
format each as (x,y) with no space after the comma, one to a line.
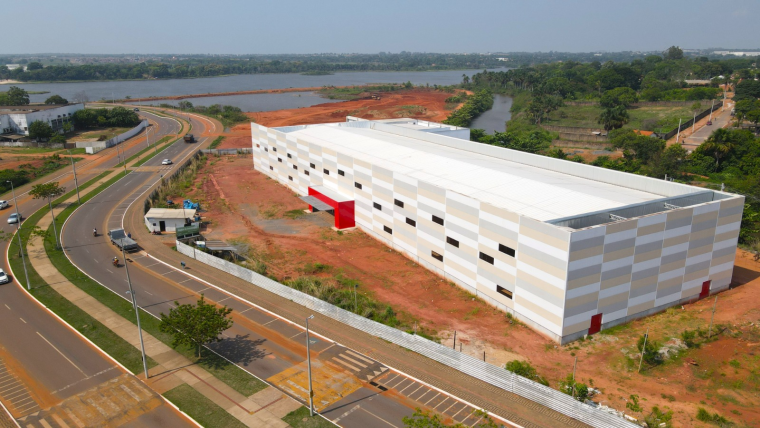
(76,184)
(137,312)
(308,368)
(18,233)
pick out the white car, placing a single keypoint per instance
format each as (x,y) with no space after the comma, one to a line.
(14,218)
(166,162)
(4,277)
(3,205)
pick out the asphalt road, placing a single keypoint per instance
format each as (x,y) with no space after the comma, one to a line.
(262,344)
(48,360)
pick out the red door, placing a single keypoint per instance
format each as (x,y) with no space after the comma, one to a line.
(705,289)
(596,324)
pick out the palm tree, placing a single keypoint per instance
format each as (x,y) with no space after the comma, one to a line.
(719,144)
(613,118)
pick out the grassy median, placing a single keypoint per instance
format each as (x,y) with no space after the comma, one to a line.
(204,411)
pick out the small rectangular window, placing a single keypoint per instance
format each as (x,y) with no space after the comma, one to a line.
(306,172)
(411,222)
(340,172)
(486,258)
(271,167)
(290,178)
(266,149)
(506,250)
(398,203)
(388,230)
(377,206)
(291,157)
(274,149)
(452,241)
(436,256)
(438,220)
(295,167)
(326,171)
(503,291)
(258,145)
(279,160)
(312,166)
(358,185)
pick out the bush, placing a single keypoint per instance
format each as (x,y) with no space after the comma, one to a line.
(524,369)
(651,356)
(578,390)
(715,419)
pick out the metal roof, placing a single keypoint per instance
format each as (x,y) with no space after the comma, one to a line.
(169,213)
(219,246)
(316,203)
(540,193)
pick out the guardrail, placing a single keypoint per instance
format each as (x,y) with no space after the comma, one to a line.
(474,367)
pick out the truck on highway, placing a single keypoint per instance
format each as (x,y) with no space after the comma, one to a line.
(121,240)
(189,138)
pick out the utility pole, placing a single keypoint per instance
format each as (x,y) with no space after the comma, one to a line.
(18,233)
(678,135)
(137,312)
(712,107)
(76,184)
(574,365)
(694,122)
(455,340)
(308,368)
(643,349)
(124,158)
(712,317)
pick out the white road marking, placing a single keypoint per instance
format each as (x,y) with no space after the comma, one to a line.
(378,417)
(22,319)
(297,334)
(360,356)
(188,280)
(7,306)
(109,270)
(346,357)
(343,363)
(353,409)
(144,291)
(64,356)
(269,322)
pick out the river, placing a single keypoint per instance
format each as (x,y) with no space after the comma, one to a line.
(106,90)
(494,120)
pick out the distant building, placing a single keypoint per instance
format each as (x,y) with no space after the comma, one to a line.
(737,53)
(16,119)
(569,249)
(14,66)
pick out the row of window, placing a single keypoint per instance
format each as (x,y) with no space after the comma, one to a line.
(499,289)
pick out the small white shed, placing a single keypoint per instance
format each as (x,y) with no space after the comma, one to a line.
(167,219)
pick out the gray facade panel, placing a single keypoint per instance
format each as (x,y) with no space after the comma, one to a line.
(617,272)
(701,242)
(651,246)
(585,307)
(540,255)
(645,273)
(709,224)
(500,280)
(670,258)
(431,210)
(667,291)
(586,243)
(432,189)
(462,231)
(619,245)
(436,232)
(484,224)
(577,273)
(731,211)
(406,186)
(679,222)
(462,207)
(723,252)
(617,306)
(647,289)
(698,266)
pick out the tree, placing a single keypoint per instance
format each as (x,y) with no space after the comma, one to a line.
(49,191)
(719,144)
(651,356)
(56,99)
(34,65)
(196,325)
(57,139)
(619,97)
(524,369)
(696,107)
(14,97)
(39,129)
(185,105)
(425,419)
(577,390)
(673,53)
(613,118)
(644,148)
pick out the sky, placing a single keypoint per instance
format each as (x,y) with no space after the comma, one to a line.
(359,26)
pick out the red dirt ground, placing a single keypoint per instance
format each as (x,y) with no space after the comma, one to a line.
(234,193)
(389,106)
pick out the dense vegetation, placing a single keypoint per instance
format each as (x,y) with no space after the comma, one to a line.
(472,108)
(730,158)
(102,117)
(228,115)
(27,172)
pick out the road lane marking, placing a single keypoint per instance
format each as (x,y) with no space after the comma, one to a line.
(22,319)
(353,409)
(410,395)
(341,362)
(64,356)
(297,334)
(402,391)
(354,354)
(269,322)
(346,357)
(460,411)
(378,417)
(444,400)
(145,291)
(109,270)
(189,279)
(8,307)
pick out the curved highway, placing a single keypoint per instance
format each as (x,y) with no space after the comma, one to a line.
(43,362)
(359,391)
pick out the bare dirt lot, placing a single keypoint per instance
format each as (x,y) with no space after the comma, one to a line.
(721,375)
(417,103)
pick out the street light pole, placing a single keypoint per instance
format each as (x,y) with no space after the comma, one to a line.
(137,312)
(76,183)
(124,158)
(308,368)
(18,233)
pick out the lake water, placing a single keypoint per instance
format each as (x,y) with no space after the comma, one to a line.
(246,82)
(494,120)
(254,102)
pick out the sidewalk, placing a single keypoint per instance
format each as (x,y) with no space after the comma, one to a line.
(264,408)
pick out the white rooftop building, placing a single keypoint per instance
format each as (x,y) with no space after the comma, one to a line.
(568,248)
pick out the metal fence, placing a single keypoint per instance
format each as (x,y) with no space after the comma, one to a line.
(474,367)
(239,151)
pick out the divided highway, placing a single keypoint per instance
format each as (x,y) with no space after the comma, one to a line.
(43,362)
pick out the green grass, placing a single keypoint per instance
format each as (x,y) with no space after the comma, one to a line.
(217,141)
(153,154)
(204,411)
(236,378)
(655,118)
(296,419)
(141,152)
(96,133)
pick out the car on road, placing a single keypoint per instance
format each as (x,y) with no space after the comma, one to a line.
(15,218)
(4,277)
(137,109)
(3,205)
(709,123)
(166,162)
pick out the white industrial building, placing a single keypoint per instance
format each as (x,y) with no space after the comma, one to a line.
(16,119)
(568,248)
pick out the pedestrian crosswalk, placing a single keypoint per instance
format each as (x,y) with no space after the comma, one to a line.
(111,403)
(15,394)
(361,366)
